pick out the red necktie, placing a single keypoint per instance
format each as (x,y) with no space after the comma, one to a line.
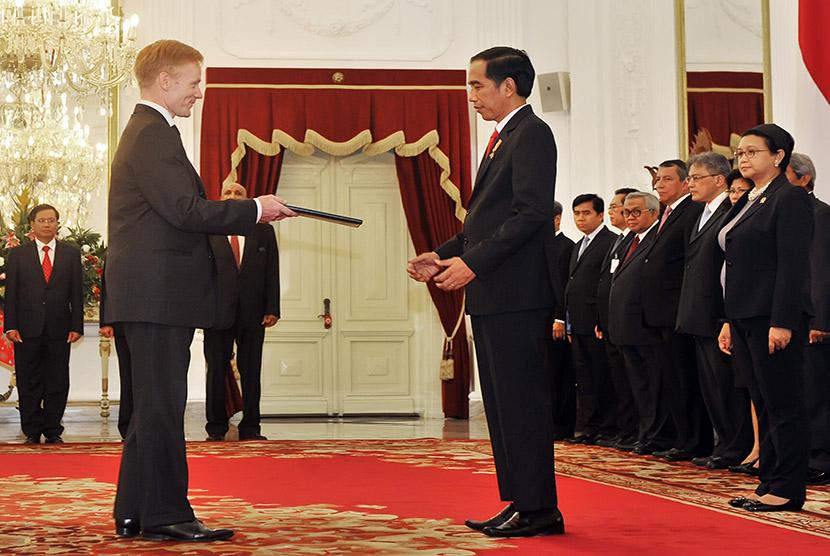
(492,142)
(47,263)
(235,249)
(666,214)
(631,249)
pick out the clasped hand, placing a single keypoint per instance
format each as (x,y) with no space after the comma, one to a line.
(456,274)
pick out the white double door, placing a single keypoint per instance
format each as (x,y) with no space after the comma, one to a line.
(381,353)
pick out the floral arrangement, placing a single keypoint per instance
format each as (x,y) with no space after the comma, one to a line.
(93,251)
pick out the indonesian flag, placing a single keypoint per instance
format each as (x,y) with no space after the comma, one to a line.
(812,109)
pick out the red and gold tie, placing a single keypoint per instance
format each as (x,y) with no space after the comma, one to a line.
(47,263)
(492,142)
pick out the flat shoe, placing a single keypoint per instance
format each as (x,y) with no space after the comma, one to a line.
(789,506)
(740,502)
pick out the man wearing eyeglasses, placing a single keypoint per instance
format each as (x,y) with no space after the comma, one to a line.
(44,314)
(673,350)
(701,313)
(627,331)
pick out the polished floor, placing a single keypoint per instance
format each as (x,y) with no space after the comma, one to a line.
(83,423)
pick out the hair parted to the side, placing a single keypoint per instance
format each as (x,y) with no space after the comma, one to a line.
(506,61)
(596,201)
(42,207)
(164,55)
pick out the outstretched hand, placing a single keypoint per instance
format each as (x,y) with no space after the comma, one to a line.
(273,209)
(423,267)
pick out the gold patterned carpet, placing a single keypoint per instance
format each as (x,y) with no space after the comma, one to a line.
(365,497)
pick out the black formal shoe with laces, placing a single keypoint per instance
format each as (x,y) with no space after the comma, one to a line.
(127,527)
(213,437)
(32,439)
(677,455)
(701,461)
(529,524)
(646,448)
(719,462)
(739,502)
(494,521)
(252,437)
(189,531)
(788,506)
(54,439)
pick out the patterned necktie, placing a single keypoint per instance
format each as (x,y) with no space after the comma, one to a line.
(235,249)
(582,247)
(666,214)
(47,263)
(631,249)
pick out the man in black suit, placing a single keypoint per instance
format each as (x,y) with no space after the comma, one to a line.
(626,327)
(44,314)
(701,314)
(160,287)
(627,417)
(557,350)
(249,302)
(801,171)
(673,350)
(500,259)
(593,376)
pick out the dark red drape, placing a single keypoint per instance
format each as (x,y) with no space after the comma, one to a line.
(724,103)
(251,114)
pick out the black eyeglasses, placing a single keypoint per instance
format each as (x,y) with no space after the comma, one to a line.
(749,153)
(692,179)
(636,213)
(739,191)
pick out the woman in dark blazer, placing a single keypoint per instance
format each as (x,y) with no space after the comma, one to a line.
(766,278)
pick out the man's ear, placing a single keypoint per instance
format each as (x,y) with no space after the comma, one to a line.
(164,80)
(508,87)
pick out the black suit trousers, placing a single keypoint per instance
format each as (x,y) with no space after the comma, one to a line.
(776,385)
(563,383)
(594,386)
(152,481)
(125,375)
(645,376)
(42,370)
(728,405)
(817,392)
(627,416)
(517,401)
(218,353)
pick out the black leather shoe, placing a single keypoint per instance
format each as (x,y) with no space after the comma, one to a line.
(816,477)
(628,444)
(32,439)
(718,462)
(745,468)
(54,439)
(646,448)
(608,441)
(190,531)
(702,461)
(677,455)
(529,524)
(127,527)
(789,506)
(494,521)
(215,438)
(574,439)
(589,439)
(252,437)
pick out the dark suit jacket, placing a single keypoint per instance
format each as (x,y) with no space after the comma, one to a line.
(768,256)
(35,308)
(820,267)
(701,298)
(159,263)
(606,276)
(626,318)
(508,221)
(254,287)
(663,266)
(559,251)
(583,278)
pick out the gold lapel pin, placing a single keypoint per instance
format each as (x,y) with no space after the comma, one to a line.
(495,148)
(763,199)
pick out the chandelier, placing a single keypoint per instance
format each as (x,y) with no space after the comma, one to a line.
(56,55)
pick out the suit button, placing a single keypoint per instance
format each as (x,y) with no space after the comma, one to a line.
(645,261)
(728,263)
(466,241)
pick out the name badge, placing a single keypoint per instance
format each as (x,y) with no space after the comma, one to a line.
(615,262)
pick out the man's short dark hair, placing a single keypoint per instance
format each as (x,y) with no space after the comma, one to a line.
(506,61)
(42,207)
(596,200)
(557,209)
(625,191)
(682,171)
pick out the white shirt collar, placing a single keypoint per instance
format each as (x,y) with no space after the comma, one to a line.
(680,200)
(163,111)
(51,244)
(503,122)
(641,235)
(593,234)
(716,202)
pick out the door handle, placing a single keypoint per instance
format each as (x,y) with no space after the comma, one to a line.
(326,316)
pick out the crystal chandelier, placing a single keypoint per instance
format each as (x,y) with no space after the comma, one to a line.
(56,55)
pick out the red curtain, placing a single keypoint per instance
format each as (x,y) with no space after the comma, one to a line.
(724,103)
(251,114)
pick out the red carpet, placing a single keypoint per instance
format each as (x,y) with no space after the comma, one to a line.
(362,497)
